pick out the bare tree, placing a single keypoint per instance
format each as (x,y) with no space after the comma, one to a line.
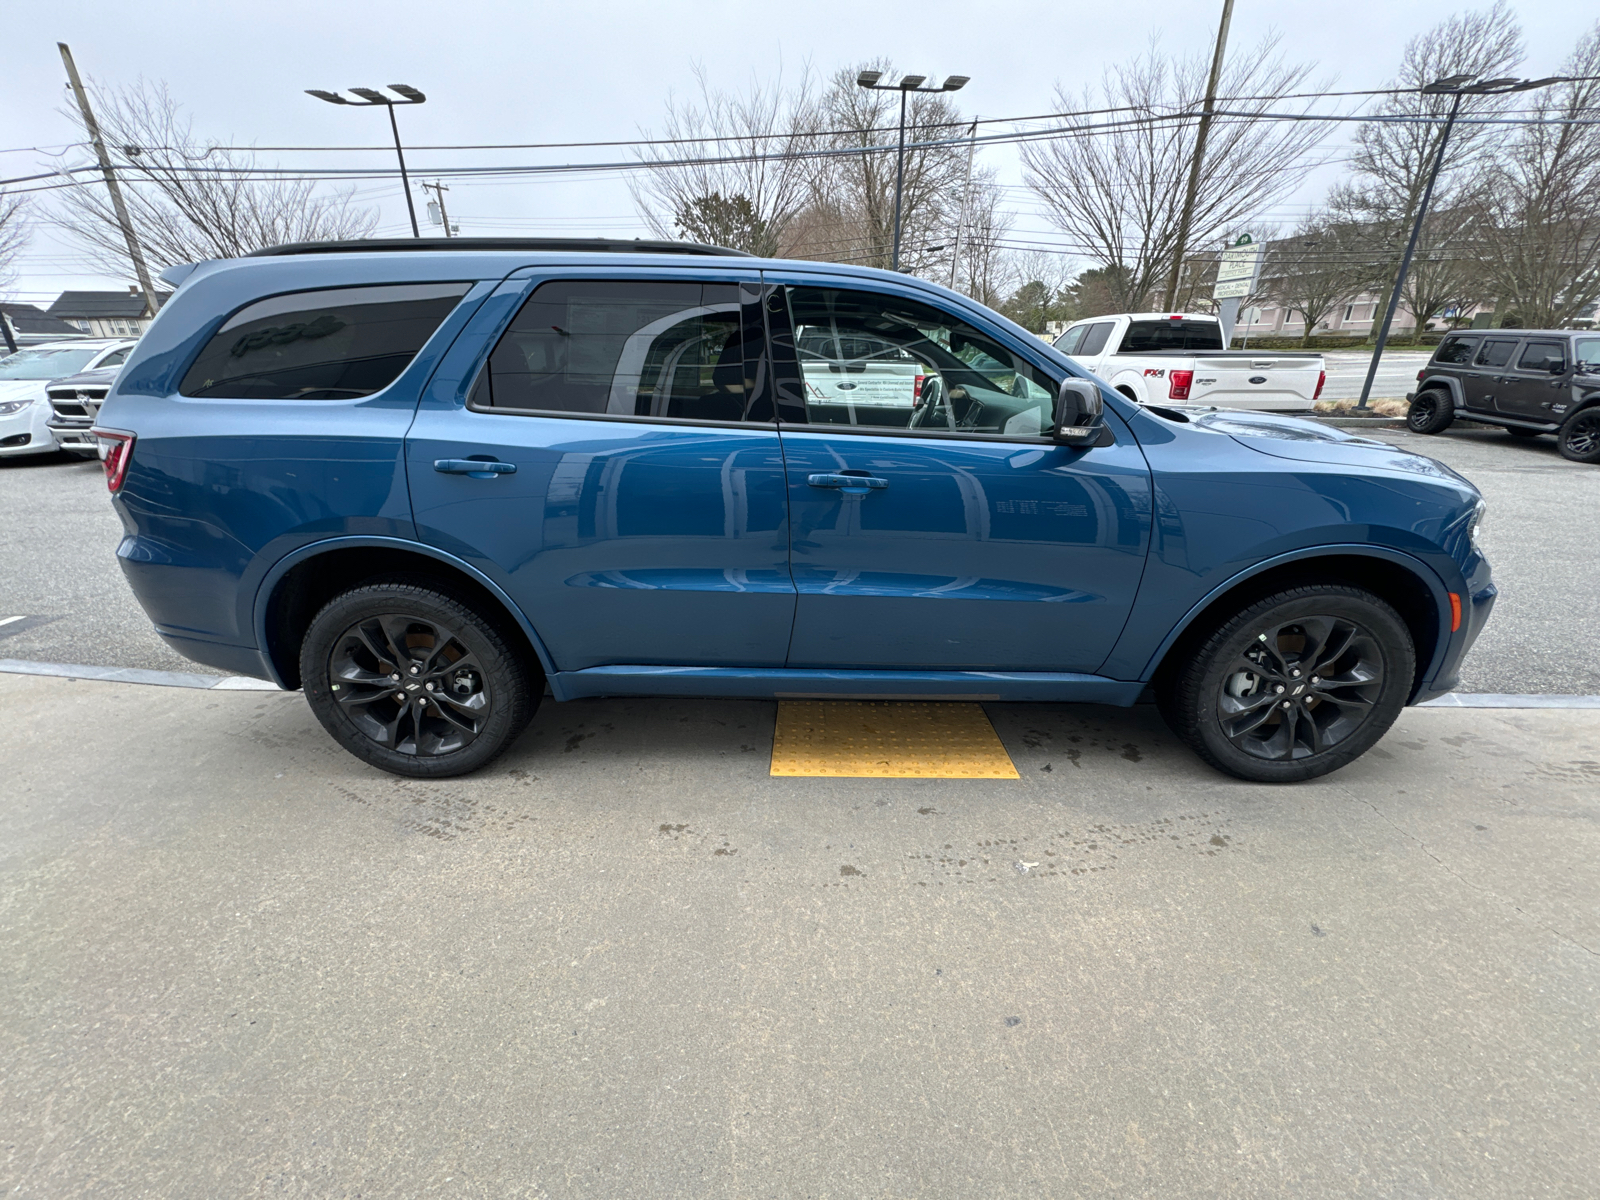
(1320,265)
(735,178)
(1541,238)
(13,235)
(189,201)
(1393,158)
(1112,182)
(986,270)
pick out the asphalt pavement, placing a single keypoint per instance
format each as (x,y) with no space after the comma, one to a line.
(58,569)
(626,962)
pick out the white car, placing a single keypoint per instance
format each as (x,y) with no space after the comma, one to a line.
(1178,359)
(24,409)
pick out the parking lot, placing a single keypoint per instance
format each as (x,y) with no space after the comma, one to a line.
(627,960)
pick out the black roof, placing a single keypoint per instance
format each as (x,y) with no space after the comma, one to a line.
(28,319)
(578,245)
(89,305)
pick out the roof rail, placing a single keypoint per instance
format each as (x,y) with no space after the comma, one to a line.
(577,245)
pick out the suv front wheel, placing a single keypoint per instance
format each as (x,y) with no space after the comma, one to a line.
(1296,685)
(415,681)
(1431,412)
(1579,438)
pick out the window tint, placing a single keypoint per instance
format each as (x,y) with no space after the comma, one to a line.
(642,349)
(1068,342)
(1546,357)
(1166,334)
(1455,351)
(1095,340)
(872,360)
(1495,354)
(326,345)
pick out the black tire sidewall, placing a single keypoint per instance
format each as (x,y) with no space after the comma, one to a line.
(1191,704)
(1436,420)
(513,695)
(1591,413)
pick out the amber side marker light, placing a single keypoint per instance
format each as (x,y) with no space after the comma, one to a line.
(1455,612)
(116,448)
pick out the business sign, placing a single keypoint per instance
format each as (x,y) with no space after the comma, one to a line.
(1239,269)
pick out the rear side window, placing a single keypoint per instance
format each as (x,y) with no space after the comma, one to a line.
(1547,357)
(1095,340)
(675,350)
(327,345)
(1145,336)
(1455,351)
(1495,354)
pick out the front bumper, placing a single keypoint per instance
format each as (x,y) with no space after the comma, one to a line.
(27,431)
(75,436)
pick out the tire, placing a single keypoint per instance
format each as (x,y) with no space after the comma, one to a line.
(1527,434)
(1579,439)
(1431,411)
(1227,712)
(393,638)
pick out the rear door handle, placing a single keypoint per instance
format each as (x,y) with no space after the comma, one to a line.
(850,485)
(475,468)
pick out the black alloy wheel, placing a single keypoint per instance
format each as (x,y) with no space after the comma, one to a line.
(1295,686)
(1431,411)
(1579,439)
(413,680)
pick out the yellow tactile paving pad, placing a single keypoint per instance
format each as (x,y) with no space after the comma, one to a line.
(889,739)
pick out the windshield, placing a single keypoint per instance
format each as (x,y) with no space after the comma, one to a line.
(1587,350)
(44,364)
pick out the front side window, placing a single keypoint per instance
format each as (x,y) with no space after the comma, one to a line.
(1069,341)
(877,361)
(1095,340)
(1455,351)
(1166,334)
(1495,353)
(326,345)
(114,359)
(1544,357)
(665,349)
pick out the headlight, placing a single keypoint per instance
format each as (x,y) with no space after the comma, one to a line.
(1477,523)
(11,406)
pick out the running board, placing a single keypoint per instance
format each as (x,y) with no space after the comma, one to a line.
(778,683)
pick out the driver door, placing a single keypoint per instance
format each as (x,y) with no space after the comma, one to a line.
(933,525)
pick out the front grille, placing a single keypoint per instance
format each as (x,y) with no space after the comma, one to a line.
(71,411)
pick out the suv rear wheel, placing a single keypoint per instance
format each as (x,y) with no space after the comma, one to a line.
(414,680)
(1431,411)
(1296,685)
(1579,438)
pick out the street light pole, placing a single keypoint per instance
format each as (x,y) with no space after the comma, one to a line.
(1457,87)
(907,85)
(369,98)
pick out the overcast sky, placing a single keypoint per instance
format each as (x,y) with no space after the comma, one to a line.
(504,72)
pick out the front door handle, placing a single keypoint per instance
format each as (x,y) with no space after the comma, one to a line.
(850,485)
(475,468)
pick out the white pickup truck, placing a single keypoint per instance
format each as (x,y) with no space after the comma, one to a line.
(1179,358)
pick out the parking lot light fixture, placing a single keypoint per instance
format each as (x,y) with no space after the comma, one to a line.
(403,93)
(906,85)
(1458,87)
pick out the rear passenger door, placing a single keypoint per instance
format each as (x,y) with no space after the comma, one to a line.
(1534,380)
(631,498)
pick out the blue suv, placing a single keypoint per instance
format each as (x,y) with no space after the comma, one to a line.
(426,480)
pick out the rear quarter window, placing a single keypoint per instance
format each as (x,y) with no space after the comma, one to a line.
(1455,351)
(332,344)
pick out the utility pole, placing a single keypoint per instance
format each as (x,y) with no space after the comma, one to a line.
(1187,217)
(966,196)
(438,190)
(143,272)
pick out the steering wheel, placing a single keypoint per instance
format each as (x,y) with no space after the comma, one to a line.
(932,397)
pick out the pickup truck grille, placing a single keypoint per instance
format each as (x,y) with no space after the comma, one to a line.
(76,406)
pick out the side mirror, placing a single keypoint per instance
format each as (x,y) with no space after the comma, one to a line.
(1079,417)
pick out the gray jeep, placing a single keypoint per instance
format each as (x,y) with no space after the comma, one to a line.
(1527,381)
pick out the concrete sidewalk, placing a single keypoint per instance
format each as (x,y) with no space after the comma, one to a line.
(626,961)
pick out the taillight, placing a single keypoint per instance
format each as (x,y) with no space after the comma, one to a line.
(1179,390)
(116,449)
(1322,378)
(1421,373)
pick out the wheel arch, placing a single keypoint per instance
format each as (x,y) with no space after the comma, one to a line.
(299,585)
(1449,384)
(1409,585)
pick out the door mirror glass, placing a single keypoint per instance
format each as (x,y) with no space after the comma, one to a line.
(1080,412)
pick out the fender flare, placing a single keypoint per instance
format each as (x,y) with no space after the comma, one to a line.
(1450,383)
(294,558)
(1428,576)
